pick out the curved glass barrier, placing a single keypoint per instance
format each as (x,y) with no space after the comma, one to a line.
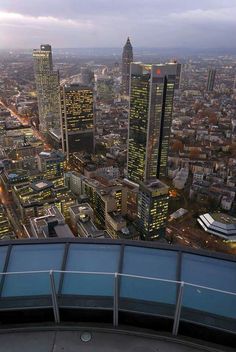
(25,290)
(180,301)
(86,290)
(145,295)
(183,287)
(209,307)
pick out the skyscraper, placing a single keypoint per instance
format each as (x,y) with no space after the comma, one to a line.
(77,124)
(153,199)
(87,76)
(127,58)
(178,75)
(211,79)
(47,86)
(150,118)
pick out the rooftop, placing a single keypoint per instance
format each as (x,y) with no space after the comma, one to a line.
(155,187)
(219,224)
(224,218)
(41,185)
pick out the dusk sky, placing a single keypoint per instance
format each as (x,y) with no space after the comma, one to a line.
(107,23)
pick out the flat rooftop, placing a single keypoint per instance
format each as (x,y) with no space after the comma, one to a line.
(154,186)
(223,218)
(79,208)
(41,185)
(117,216)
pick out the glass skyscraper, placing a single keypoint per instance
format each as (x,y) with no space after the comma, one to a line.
(150,118)
(127,58)
(211,79)
(48,91)
(77,119)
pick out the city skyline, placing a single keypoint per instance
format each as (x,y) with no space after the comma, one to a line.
(117,175)
(102,24)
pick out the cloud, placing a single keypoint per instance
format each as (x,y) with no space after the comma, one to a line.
(106,23)
(10,18)
(39,26)
(225,15)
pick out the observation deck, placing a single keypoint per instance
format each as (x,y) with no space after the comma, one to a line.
(158,296)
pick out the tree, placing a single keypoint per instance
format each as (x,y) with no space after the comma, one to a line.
(212,118)
(194,153)
(177,146)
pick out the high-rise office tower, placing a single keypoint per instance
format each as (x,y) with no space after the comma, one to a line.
(127,58)
(211,79)
(153,201)
(48,91)
(178,75)
(87,76)
(234,85)
(150,118)
(77,119)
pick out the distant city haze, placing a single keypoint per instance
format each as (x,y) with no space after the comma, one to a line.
(107,23)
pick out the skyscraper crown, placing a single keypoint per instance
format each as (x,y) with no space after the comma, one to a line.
(128,44)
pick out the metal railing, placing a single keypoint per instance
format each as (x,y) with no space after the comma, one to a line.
(117,277)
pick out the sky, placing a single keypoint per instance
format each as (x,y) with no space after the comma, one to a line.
(107,23)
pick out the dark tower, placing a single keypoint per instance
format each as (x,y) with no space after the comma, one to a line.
(127,58)
(77,122)
(211,79)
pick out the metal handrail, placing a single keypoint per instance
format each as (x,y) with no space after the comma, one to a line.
(210,288)
(149,278)
(119,274)
(84,272)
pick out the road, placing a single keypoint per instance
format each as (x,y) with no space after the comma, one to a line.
(5,196)
(189,236)
(7,201)
(13,218)
(24,121)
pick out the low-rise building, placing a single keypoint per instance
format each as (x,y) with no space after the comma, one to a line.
(52,224)
(219,224)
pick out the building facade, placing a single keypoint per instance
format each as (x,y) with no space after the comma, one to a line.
(51,164)
(47,86)
(150,118)
(211,79)
(77,119)
(127,58)
(153,199)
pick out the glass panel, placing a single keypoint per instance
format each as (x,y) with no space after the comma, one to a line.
(3,252)
(150,262)
(87,290)
(149,296)
(209,307)
(36,257)
(26,285)
(218,273)
(22,286)
(93,257)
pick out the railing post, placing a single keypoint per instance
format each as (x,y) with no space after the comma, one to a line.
(54,298)
(178,310)
(115,300)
